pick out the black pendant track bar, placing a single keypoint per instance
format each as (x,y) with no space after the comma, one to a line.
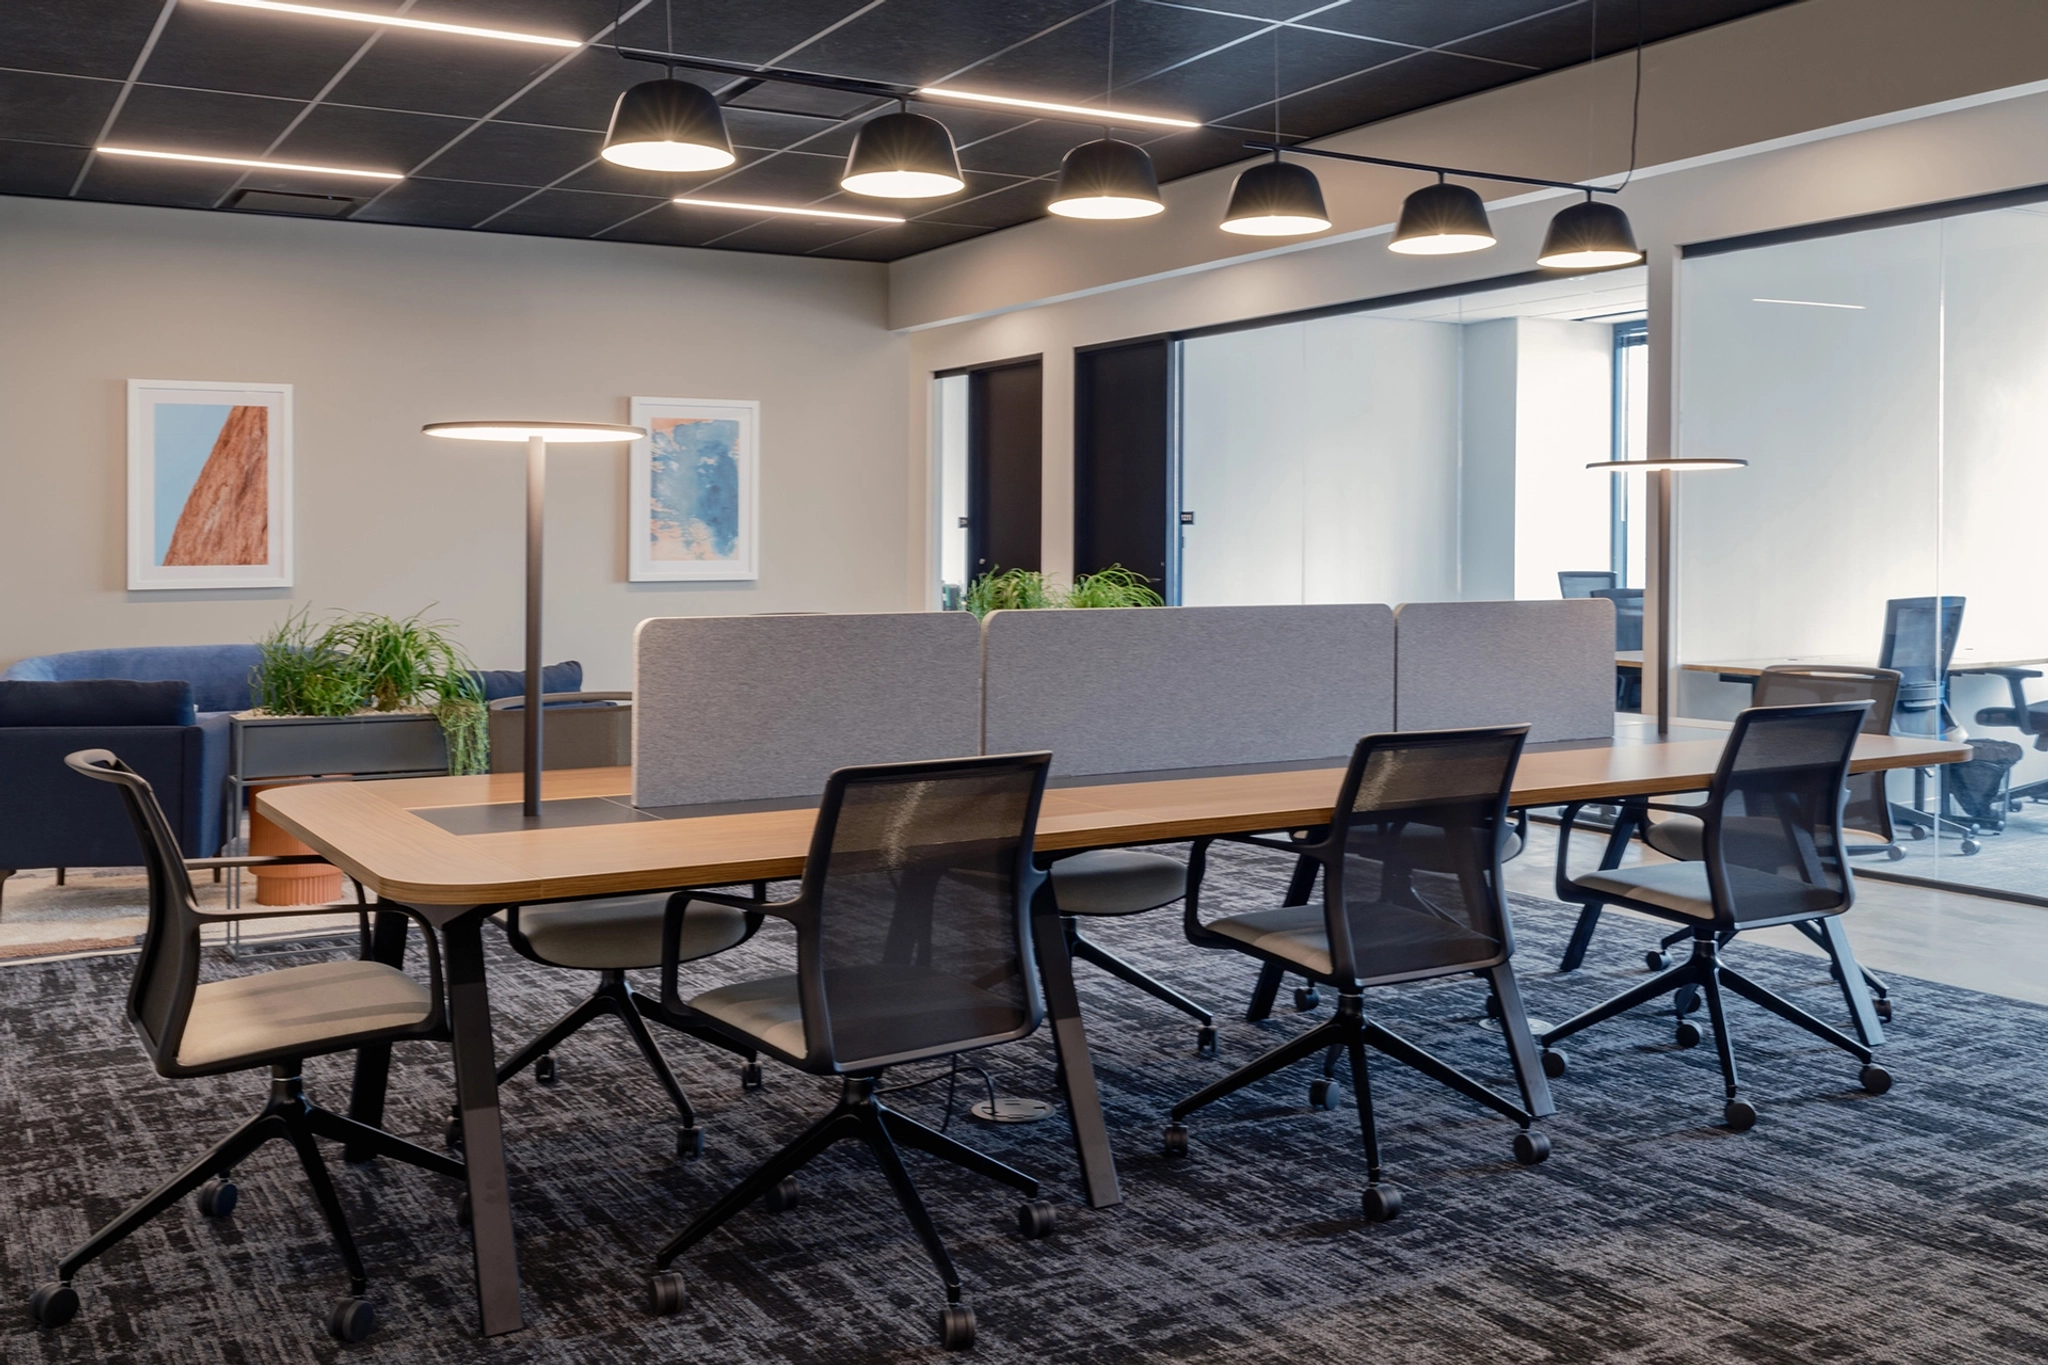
(1434,170)
(852,85)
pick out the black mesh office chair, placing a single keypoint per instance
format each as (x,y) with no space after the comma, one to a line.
(1628,615)
(1582,582)
(1919,643)
(2028,717)
(1110,883)
(275,1019)
(1773,853)
(912,943)
(1410,864)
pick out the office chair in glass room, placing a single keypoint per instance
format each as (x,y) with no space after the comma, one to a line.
(1410,866)
(273,1019)
(1919,643)
(912,944)
(1772,852)
(1583,582)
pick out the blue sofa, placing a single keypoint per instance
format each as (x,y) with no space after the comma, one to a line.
(219,674)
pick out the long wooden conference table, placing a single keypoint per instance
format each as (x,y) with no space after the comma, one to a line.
(455,849)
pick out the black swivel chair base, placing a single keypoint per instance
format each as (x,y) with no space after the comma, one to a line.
(1349,1032)
(616,997)
(1688,998)
(1081,948)
(861,1114)
(287,1115)
(1703,973)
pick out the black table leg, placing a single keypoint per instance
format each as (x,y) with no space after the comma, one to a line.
(1633,813)
(373,1063)
(483,1144)
(1077,1073)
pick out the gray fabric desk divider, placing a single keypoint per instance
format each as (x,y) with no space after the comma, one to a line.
(1145,688)
(743,708)
(1549,664)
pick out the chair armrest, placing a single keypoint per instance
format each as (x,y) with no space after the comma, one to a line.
(672,932)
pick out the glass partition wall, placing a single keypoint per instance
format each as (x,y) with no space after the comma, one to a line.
(1889,388)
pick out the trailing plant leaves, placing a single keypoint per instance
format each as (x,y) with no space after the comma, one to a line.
(1028,589)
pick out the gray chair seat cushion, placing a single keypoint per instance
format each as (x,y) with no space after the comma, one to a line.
(623,933)
(1682,889)
(298,1007)
(876,1012)
(1117,881)
(1391,941)
(1684,836)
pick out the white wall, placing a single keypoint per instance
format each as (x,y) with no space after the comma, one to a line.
(1564,417)
(1488,551)
(384,328)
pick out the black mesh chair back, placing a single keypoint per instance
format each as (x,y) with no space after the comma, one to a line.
(167,968)
(1420,820)
(1773,842)
(1582,582)
(1867,808)
(1628,615)
(1919,641)
(913,931)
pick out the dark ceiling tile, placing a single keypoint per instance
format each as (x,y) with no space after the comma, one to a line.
(1030,149)
(381,139)
(37,108)
(440,203)
(1070,65)
(1413,82)
(1427,23)
(180,184)
(48,35)
(893,244)
(783,178)
(921,41)
(513,154)
(797,236)
(752,32)
(38,167)
(213,47)
(665,228)
(582,93)
(993,202)
(797,99)
(201,121)
(1551,41)
(1237,83)
(754,128)
(1192,153)
(432,74)
(565,213)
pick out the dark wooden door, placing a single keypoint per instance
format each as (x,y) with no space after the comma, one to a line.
(1122,460)
(1005,467)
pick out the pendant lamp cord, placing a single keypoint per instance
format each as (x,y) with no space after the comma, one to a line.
(1109,76)
(1635,121)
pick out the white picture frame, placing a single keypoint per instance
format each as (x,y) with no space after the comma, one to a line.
(693,507)
(209,485)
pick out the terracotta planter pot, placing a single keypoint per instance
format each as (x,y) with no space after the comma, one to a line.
(298,884)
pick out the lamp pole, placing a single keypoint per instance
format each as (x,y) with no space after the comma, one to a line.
(536,517)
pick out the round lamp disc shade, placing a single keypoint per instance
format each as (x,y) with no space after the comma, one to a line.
(668,125)
(1589,236)
(903,156)
(1107,178)
(1442,220)
(554,433)
(1671,466)
(1276,199)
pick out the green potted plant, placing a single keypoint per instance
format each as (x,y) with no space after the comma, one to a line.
(1028,589)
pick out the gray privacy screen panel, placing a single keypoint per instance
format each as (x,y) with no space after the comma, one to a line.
(1135,689)
(1547,664)
(742,708)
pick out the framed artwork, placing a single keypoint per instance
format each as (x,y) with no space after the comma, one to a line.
(209,484)
(693,509)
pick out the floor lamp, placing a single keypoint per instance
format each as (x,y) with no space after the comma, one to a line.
(538,436)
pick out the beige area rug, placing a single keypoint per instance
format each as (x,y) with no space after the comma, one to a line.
(99,910)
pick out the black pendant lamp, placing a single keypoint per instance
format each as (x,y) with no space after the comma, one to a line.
(1442,220)
(668,125)
(1107,178)
(1276,199)
(903,156)
(1589,236)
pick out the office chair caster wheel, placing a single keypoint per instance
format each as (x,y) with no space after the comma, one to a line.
(782,1197)
(1740,1115)
(217,1197)
(1656,961)
(1205,1041)
(1687,1001)
(689,1144)
(1689,1034)
(464,1214)
(1382,1203)
(1554,1064)
(1970,847)
(53,1305)
(1306,999)
(1176,1140)
(1531,1147)
(352,1321)
(1319,1094)
(544,1069)
(665,1293)
(956,1327)
(1894,853)
(1035,1219)
(1918,832)
(1875,1079)
(1883,1008)
(750,1076)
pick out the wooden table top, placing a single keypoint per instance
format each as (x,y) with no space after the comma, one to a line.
(377,832)
(1962,661)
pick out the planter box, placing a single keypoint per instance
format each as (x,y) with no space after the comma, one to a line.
(400,744)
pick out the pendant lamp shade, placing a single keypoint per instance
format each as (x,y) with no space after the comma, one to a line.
(1107,178)
(903,156)
(1589,236)
(1442,220)
(1276,199)
(668,125)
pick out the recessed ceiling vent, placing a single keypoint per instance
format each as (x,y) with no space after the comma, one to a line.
(304,205)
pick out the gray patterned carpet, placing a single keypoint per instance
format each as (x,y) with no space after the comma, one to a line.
(1911,1227)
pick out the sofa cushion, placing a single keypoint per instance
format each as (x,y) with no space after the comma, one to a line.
(96,702)
(498,683)
(219,674)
